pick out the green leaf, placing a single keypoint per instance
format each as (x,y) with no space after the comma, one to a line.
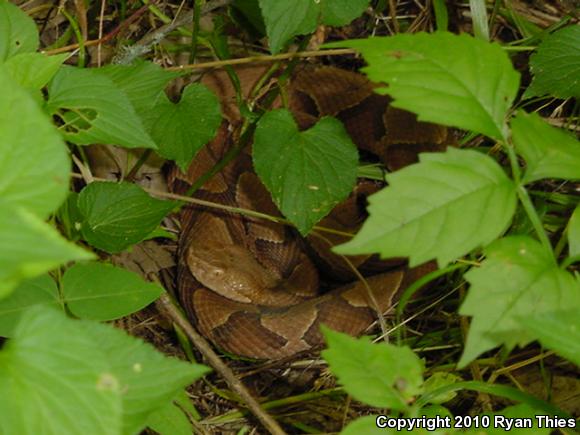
(519,278)
(95,110)
(143,82)
(117,216)
(307,172)
(34,165)
(549,151)
(557,330)
(285,20)
(574,233)
(148,379)
(380,375)
(18,32)
(38,291)
(30,247)
(34,70)
(100,291)
(448,79)
(56,380)
(182,129)
(556,65)
(442,207)
(478,10)
(170,419)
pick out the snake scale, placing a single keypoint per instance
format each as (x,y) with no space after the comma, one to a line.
(253,286)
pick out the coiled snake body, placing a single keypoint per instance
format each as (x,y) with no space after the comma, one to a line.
(251,285)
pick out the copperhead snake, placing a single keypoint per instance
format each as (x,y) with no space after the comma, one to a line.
(252,286)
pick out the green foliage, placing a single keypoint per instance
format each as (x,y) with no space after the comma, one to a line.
(100,291)
(105,381)
(182,129)
(69,376)
(117,216)
(574,233)
(285,20)
(437,209)
(33,70)
(383,375)
(41,291)
(56,380)
(147,379)
(171,419)
(92,107)
(518,278)
(307,172)
(549,152)
(472,83)
(18,32)
(556,65)
(557,330)
(30,247)
(34,166)
(143,83)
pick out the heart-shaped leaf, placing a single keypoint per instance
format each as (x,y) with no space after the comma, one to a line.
(182,129)
(307,172)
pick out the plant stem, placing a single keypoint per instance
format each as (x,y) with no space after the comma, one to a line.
(525,198)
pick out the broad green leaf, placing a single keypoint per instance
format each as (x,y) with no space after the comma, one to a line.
(307,172)
(574,233)
(100,291)
(440,208)
(34,70)
(18,32)
(56,380)
(558,330)
(170,419)
(34,165)
(285,19)
(30,247)
(448,79)
(556,65)
(182,129)
(95,110)
(518,278)
(549,152)
(144,83)
(117,216)
(381,375)
(37,291)
(148,379)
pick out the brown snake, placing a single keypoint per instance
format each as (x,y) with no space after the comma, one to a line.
(252,286)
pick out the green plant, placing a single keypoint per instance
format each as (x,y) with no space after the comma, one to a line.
(456,207)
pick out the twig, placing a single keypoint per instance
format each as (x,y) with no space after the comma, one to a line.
(144,45)
(214,360)
(215,205)
(257,59)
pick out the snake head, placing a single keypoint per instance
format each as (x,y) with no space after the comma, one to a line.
(229,270)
